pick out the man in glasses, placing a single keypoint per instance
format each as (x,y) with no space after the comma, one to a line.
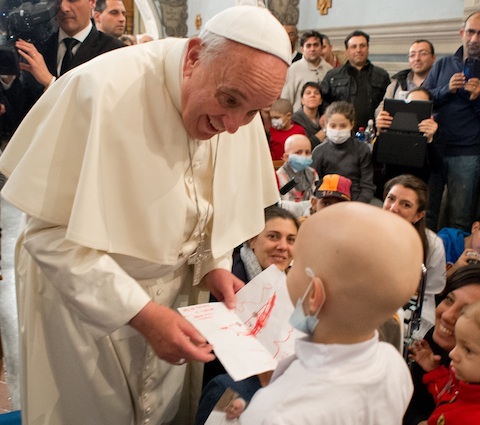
(421,57)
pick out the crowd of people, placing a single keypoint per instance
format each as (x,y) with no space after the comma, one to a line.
(102,266)
(450,163)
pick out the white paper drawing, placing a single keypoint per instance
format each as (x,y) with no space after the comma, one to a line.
(257,335)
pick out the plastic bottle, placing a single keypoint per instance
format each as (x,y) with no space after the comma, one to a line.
(369,132)
(360,134)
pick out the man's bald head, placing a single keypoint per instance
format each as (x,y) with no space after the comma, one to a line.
(369,262)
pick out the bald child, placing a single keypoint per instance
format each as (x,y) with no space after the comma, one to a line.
(354,266)
(298,158)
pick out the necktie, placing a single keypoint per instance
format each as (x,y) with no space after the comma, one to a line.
(67,59)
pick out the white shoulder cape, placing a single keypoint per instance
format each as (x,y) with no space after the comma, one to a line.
(104,153)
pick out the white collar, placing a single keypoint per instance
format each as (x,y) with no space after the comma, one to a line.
(80,36)
(315,355)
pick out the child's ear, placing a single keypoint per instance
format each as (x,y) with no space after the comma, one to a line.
(316,296)
(288,115)
(285,157)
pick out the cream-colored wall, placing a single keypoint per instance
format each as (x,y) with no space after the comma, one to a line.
(392,24)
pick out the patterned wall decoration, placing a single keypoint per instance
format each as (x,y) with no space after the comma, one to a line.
(286,11)
(323,6)
(174,14)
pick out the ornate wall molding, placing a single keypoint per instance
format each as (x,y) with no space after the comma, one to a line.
(471,6)
(174,14)
(389,43)
(396,38)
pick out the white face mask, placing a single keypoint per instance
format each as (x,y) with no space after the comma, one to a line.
(338,136)
(277,123)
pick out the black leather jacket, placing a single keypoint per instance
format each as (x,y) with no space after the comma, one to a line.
(339,84)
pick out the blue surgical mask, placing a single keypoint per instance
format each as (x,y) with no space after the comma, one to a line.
(299,320)
(299,162)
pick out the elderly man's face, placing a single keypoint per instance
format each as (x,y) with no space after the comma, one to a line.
(227,92)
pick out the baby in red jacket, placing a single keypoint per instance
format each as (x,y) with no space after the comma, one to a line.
(456,391)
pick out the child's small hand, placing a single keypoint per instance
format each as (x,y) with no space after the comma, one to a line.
(422,354)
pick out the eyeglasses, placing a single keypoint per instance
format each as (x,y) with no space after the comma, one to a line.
(421,53)
(470,32)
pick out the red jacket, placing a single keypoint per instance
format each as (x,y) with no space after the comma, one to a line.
(458,402)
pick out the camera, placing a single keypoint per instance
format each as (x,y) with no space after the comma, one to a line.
(33,21)
(475,257)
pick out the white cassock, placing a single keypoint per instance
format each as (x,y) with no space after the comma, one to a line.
(101,168)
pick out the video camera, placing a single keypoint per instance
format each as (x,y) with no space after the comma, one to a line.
(33,21)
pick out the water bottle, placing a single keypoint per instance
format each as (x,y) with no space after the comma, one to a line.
(369,132)
(360,134)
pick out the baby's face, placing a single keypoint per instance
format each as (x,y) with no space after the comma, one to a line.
(466,354)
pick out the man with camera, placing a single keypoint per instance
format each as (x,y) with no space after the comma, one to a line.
(77,41)
(457,109)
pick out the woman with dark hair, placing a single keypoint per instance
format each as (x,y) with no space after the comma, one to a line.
(406,195)
(274,245)
(462,289)
(309,116)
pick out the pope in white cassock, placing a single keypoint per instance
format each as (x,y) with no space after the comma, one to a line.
(139,172)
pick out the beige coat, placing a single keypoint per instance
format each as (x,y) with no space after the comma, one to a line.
(100,165)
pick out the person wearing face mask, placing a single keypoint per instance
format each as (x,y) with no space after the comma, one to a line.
(281,127)
(342,154)
(298,158)
(341,373)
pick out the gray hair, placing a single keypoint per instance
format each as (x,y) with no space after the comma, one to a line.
(215,46)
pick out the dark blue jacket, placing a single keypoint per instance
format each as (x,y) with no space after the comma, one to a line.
(458,117)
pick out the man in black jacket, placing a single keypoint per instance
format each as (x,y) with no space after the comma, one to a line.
(358,81)
(42,64)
